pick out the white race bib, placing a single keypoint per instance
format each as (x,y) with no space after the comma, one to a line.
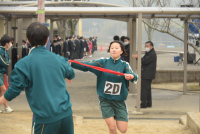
(112,88)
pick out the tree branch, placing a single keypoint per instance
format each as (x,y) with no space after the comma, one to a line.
(162,31)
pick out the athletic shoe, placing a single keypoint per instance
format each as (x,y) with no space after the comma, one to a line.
(0,111)
(8,110)
(90,56)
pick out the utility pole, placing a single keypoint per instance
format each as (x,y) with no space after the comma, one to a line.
(41,11)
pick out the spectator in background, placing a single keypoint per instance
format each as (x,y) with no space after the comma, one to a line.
(58,46)
(149,61)
(56,37)
(71,48)
(122,39)
(127,48)
(81,48)
(90,46)
(61,44)
(85,46)
(15,55)
(4,62)
(25,49)
(65,48)
(95,43)
(52,46)
(77,48)
(116,38)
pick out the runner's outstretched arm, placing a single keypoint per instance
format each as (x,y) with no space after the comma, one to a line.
(97,63)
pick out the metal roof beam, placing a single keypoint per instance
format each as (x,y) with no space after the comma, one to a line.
(7,16)
(153,15)
(31,3)
(187,17)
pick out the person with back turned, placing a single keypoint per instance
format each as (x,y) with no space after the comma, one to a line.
(42,74)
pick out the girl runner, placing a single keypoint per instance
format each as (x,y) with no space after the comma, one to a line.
(111,88)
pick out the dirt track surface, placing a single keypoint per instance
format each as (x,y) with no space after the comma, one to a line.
(20,123)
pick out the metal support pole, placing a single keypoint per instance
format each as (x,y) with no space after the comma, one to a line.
(41,11)
(19,39)
(139,60)
(80,28)
(130,34)
(9,68)
(185,57)
(51,30)
(128,27)
(134,51)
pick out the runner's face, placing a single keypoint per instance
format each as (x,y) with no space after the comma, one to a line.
(115,50)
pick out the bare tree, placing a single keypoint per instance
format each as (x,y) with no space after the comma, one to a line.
(151,22)
(60,27)
(65,25)
(169,26)
(72,24)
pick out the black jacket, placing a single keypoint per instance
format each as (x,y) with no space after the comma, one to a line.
(127,58)
(25,52)
(14,53)
(59,49)
(77,43)
(85,44)
(65,47)
(52,48)
(81,45)
(149,65)
(71,46)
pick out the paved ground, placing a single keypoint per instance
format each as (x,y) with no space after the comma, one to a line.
(165,61)
(166,103)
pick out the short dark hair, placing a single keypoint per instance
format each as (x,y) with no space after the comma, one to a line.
(151,43)
(116,37)
(122,48)
(23,41)
(122,38)
(56,35)
(70,37)
(127,38)
(5,39)
(37,34)
(66,38)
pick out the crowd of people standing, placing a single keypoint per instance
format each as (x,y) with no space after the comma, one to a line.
(74,47)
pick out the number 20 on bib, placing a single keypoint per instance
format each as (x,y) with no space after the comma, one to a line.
(112,88)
